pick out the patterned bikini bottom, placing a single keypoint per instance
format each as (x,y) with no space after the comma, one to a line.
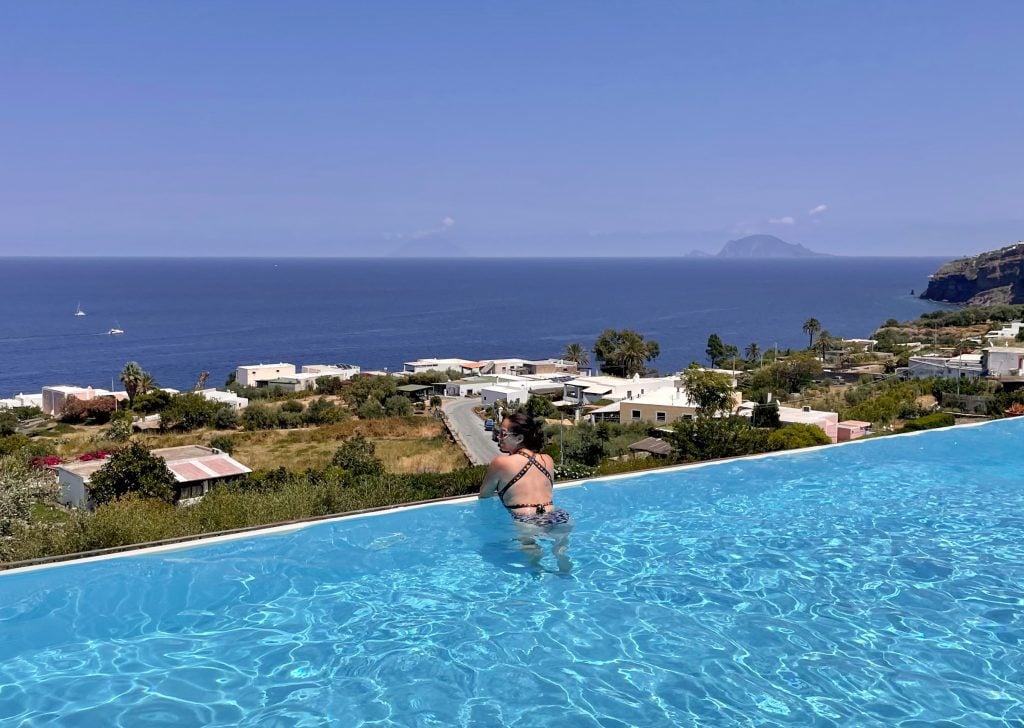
(557,517)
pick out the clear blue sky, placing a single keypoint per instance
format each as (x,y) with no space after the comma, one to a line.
(538,128)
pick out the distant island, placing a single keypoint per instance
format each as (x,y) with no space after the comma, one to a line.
(760,246)
(994,277)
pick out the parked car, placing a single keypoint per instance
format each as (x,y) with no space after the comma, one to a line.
(488,425)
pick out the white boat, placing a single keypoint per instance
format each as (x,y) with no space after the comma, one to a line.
(79,311)
(116,330)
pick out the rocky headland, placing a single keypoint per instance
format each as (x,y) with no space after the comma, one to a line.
(990,278)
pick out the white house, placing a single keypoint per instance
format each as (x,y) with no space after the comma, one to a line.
(196,470)
(511,393)
(54,398)
(588,390)
(258,375)
(1004,361)
(462,366)
(338,371)
(22,400)
(295,382)
(1009,331)
(229,398)
(967,366)
(827,422)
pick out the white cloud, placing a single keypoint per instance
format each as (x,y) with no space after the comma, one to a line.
(448,222)
(817,210)
(787,220)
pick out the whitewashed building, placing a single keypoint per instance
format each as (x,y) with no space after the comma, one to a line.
(1001,361)
(229,398)
(259,375)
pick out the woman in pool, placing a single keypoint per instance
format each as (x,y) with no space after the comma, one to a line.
(523,481)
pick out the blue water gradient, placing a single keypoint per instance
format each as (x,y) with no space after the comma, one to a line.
(875,584)
(184,316)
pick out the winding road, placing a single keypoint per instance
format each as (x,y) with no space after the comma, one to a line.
(469,430)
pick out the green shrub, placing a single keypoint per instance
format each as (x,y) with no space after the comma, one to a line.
(292,405)
(796,436)
(928,422)
(224,443)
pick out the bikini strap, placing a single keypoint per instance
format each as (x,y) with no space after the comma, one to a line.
(531,460)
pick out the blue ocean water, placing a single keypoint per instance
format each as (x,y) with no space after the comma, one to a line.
(183,316)
(873,584)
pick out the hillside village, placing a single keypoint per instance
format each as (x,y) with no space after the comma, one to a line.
(292,423)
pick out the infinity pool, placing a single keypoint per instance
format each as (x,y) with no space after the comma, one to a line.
(880,583)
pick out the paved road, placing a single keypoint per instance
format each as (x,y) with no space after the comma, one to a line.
(470,430)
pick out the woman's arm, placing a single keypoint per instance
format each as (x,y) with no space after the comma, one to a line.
(493,479)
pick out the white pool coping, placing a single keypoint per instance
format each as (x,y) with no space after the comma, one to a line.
(458,500)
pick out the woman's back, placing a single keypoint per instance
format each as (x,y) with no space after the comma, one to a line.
(529,485)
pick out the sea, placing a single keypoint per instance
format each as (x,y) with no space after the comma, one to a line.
(184,316)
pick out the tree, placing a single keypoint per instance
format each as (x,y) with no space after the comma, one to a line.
(576,353)
(8,423)
(146,383)
(797,435)
(752,352)
(99,410)
(765,415)
(133,469)
(712,391)
(397,405)
(190,411)
(358,456)
(259,417)
(624,353)
(435,401)
(20,487)
(824,342)
(131,377)
(707,438)
(811,327)
(151,402)
(715,350)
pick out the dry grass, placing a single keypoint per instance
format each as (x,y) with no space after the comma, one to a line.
(406,445)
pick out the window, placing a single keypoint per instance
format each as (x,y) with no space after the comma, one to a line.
(191,491)
(659,416)
(636,414)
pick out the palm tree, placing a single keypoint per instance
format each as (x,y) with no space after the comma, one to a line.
(752,352)
(824,341)
(633,356)
(576,353)
(811,327)
(146,383)
(131,376)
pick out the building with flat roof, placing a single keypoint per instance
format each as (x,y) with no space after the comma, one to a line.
(54,398)
(196,469)
(337,371)
(1002,361)
(259,375)
(462,366)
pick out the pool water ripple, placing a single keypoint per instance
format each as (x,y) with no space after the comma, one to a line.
(876,584)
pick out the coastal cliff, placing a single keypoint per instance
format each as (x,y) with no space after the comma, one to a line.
(989,278)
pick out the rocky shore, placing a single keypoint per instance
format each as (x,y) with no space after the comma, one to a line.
(993,277)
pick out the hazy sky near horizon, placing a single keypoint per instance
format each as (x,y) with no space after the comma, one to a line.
(536,128)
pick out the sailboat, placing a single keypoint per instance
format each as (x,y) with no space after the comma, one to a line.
(78,310)
(116,330)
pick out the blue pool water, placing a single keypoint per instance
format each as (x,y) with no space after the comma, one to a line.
(880,583)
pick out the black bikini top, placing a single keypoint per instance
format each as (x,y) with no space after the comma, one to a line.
(531,461)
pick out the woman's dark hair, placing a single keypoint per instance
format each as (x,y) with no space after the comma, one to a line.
(531,429)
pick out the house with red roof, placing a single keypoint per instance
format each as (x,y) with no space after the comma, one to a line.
(196,470)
